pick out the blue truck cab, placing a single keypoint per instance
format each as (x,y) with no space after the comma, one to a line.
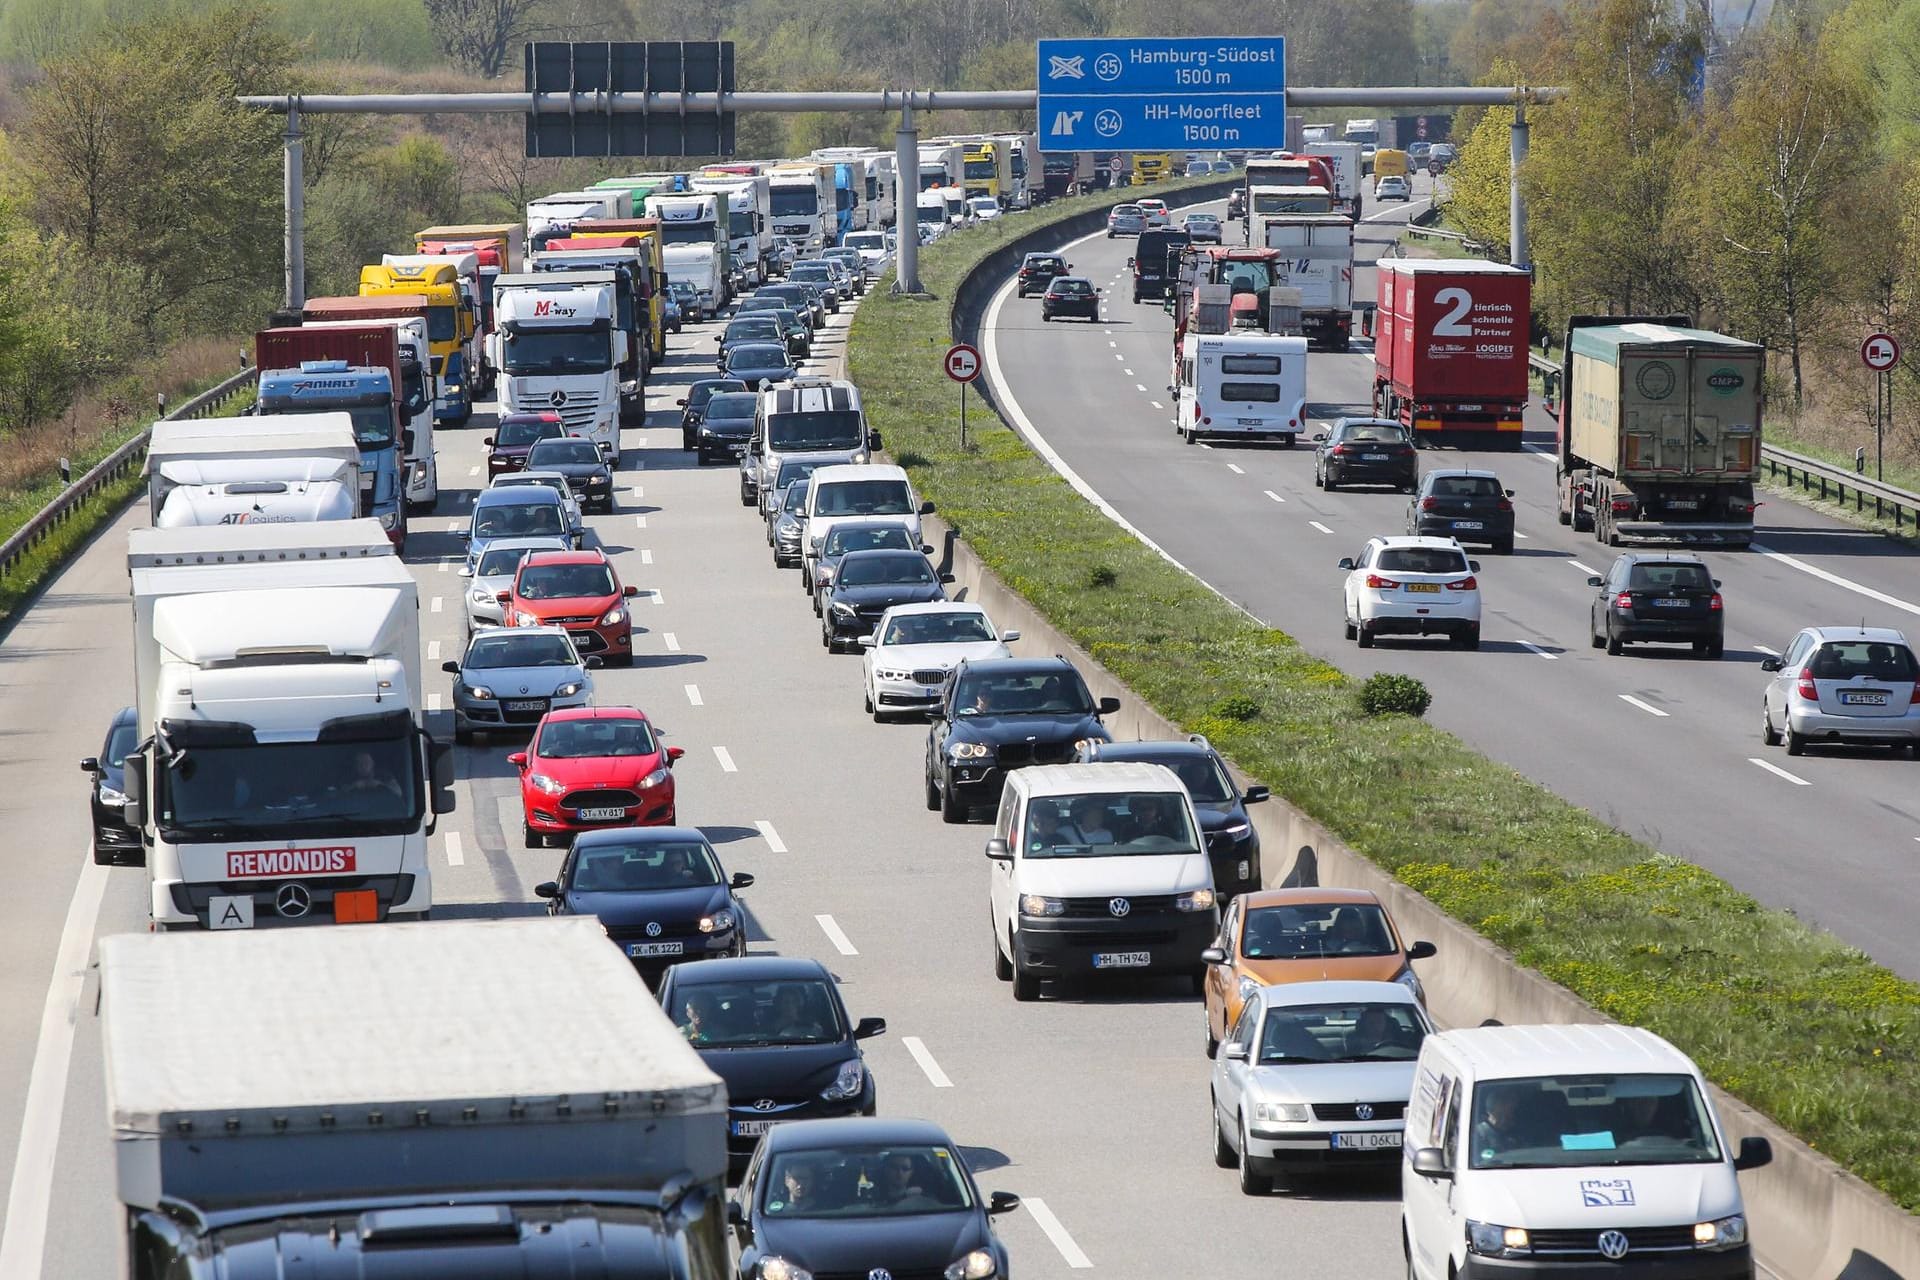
(319,386)
(846,198)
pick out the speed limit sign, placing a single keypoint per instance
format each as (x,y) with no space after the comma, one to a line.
(1880,352)
(963,362)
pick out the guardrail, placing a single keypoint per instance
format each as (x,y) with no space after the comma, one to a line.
(109,469)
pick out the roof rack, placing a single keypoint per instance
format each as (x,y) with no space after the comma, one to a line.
(1199,740)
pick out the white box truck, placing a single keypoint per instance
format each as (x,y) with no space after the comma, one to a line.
(1344,157)
(554,215)
(285,777)
(697,221)
(487,1099)
(289,448)
(749,221)
(801,194)
(558,349)
(1316,257)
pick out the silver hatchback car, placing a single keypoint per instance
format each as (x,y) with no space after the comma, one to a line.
(1126,220)
(1843,685)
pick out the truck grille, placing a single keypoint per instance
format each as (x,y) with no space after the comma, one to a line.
(1585,1241)
(1014,754)
(605,799)
(1346,1110)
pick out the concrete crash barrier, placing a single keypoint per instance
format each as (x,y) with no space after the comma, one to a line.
(1809,1219)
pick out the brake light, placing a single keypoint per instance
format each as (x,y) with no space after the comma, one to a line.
(1714,604)
(1622,506)
(1341,449)
(1505,505)
(1914,697)
(1377,583)
(1623,601)
(1805,687)
(1429,504)
(1464,584)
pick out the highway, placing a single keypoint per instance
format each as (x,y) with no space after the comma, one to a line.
(1658,743)
(1091,1104)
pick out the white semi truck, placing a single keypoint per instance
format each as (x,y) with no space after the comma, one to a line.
(285,776)
(749,220)
(559,350)
(486,1099)
(696,221)
(802,197)
(554,215)
(302,449)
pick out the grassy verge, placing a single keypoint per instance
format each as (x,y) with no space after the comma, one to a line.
(33,569)
(1804,1028)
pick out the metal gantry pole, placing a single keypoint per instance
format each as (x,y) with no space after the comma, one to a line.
(1519,253)
(906,201)
(296,209)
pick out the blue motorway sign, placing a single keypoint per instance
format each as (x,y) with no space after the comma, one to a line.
(1159,94)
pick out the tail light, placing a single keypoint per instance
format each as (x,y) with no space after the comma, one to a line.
(1341,450)
(1429,504)
(1715,604)
(1505,505)
(1914,697)
(1805,688)
(1377,583)
(1623,601)
(1623,506)
(1467,583)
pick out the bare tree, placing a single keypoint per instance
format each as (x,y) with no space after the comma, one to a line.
(479,34)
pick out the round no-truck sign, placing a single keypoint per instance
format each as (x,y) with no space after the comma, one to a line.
(963,362)
(1880,352)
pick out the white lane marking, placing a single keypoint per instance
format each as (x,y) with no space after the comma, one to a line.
(1128,372)
(646,556)
(1550,657)
(1156,404)
(1649,708)
(671,640)
(1522,536)
(639,522)
(446,566)
(1139,386)
(1234,467)
(1407,209)
(1276,497)
(693,695)
(1778,772)
(1113,344)
(473,471)
(433,651)
(438,602)
(1043,1217)
(641,442)
(726,761)
(30,1193)
(637,492)
(433,702)
(1539,451)
(935,1075)
(456,856)
(1322,528)
(1774,653)
(1848,583)
(836,935)
(772,837)
(1109,330)
(1587,569)
(657,597)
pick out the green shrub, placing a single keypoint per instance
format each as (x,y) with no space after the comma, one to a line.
(1237,706)
(1387,694)
(1102,575)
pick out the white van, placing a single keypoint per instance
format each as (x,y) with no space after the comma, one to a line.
(1098,867)
(1242,386)
(1535,1151)
(856,492)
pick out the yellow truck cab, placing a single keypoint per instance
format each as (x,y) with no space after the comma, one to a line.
(450,327)
(1151,166)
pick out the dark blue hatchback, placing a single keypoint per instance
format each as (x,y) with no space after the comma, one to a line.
(660,892)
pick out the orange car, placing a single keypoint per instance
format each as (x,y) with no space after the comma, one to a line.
(1302,935)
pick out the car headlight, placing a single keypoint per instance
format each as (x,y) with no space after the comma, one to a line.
(109,796)
(1492,1241)
(1282,1112)
(1198,900)
(1248,988)
(659,775)
(847,1082)
(843,610)
(969,750)
(614,617)
(480,595)
(781,1269)
(552,786)
(596,479)
(480,693)
(568,689)
(389,520)
(453,388)
(1237,830)
(1411,981)
(718,922)
(977,1265)
(420,474)
(1721,1233)
(1033,904)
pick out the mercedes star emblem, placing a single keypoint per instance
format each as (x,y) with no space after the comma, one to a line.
(1364,1111)
(557,399)
(653,928)
(293,901)
(1119,906)
(765,1104)
(1613,1245)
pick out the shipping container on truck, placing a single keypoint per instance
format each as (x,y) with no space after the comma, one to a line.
(1659,431)
(1450,350)
(484,1099)
(417,389)
(1344,159)
(1316,257)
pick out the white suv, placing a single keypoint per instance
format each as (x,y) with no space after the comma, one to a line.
(1412,587)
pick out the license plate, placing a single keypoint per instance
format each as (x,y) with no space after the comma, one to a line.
(1864,699)
(1366,1141)
(601,815)
(525,706)
(1683,504)
(1670,604)
(1373,457)
(1122,959)
(751,1128)
(1469,524)
(737,449)
(639,950)
(1248,422)
(1425,588)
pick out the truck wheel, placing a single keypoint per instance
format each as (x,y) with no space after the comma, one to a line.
(1566,517)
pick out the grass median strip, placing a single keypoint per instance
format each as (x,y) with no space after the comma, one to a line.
(1784,1016)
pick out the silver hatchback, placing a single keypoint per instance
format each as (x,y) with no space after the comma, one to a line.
(1857,685)
(1126,220)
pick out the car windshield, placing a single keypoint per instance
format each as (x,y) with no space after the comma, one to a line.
(1107,824)
(500,561)
(529,480)
(1054,692)
(1126,210)
(791,471)
(1046,264)
(1583,1121)
(938,628)
(119,741)
(754,355)
(753,327)
(705,391)
(1465,487)
(757,303)
(866,240)
(1341,1033)
(1862,659)
(884,568)
(811,271)
(822,429)
(864,498)
(588,739)
(1374,433)
(738,1014)
(1201,774)
(648,867)
(286,791)
(867,537)
(499,652)
(731,405)
(514,435)
(551,453)
(1077,287)
(1316,930)
(796,496)
(517,520)
(565,581)
(1422,560)
(865,1182)
(552,352)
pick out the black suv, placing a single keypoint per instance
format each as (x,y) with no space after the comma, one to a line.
(1002,713)
(694,407)
(1038,271)
(115,844)
(1233,846)
(1671,599)
(1467,506)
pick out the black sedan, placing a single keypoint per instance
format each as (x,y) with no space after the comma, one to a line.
(1666,599)
(115,844)
(1004,713)
(727,427)
(773,1028)
(798,332)
(749,328)
(867,584)
(1039,270)
(1233,846)
(587,470)
(759,364)
(1365,451)
(659,892)
(1070,296)
(1467,506)
(845,537)
(694,406)
(865,1197)
(799,297)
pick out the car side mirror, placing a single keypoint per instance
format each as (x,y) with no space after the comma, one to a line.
(873,439)
(503,597)
(630,592)
(718,341)
(926,508)
(1771,664)
(868,1028)
(1473,566)
(868,641)
(674,753)
(1509,493)
(1234,1051)
(1431,1162)
(998,850)
(1214,955)
(681,403)
(736,1216)
(1346,562)
(90,765)
(1594,581)
(451,668)
(946,578)
(1422,951)
(546,889)
(741,880)
(1319,436)
(486,440)
(926,550)
(1754,1154)
(1716,584)
(1002,1202)
(593,662)
(1255,795)
(1107,706)
(518,759)
(1129,263)
(133,785)
(1008,637)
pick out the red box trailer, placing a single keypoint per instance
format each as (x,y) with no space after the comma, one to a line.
(1450,349)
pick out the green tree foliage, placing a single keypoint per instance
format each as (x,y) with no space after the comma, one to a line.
(1479,189)
(378,31)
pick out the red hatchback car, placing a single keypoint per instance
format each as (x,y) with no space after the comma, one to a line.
(577,590)
(592,767)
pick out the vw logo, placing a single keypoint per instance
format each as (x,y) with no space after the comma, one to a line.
(293,901)
(879,1273)
(1363,1112)
(765,1104)
(1613,1245)
(1119,906)
(557,399)
(653,928)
